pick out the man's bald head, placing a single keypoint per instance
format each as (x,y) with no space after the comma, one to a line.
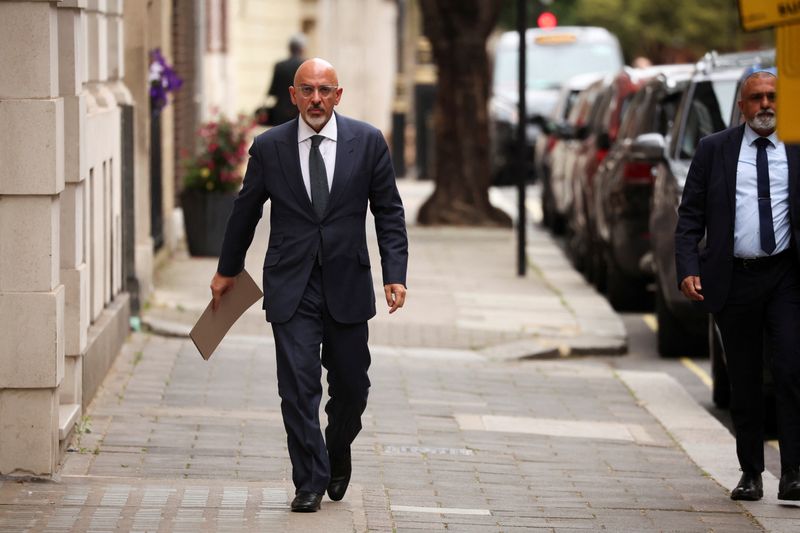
(315,92)
(314,67)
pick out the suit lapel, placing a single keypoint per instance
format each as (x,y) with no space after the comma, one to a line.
(289,155)
(730,162)
(345,145)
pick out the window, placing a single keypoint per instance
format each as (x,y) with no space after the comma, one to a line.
(710,102)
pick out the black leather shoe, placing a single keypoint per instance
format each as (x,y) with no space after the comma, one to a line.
(789,487)
(341,468)
(749,488)
(306,502)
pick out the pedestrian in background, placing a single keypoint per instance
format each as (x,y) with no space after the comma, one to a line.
(282,78)
(742,194)
(320,172)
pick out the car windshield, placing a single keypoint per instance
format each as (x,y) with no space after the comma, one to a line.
(708,112)
(548,66)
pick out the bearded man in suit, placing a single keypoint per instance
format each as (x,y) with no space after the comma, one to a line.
(320,171)
(741,193)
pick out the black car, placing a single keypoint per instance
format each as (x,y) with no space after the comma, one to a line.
(553,56)
(708,105)
(624,186)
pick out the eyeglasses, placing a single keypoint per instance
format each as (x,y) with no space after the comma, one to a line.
(324,90)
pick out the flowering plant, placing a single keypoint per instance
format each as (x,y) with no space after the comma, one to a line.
(223,150)
(163,79)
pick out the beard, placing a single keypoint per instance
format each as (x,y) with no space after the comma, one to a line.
(315,122)
(764,120)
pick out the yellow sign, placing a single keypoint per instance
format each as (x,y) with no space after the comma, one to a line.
(760,14)
(787,39)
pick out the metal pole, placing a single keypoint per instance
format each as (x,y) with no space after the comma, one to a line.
(521,151)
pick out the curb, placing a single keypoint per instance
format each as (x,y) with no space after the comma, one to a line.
(707,443)
(512,351)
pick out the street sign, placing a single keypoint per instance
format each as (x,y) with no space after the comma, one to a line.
(761,14)
(787,40)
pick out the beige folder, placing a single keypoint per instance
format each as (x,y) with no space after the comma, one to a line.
(213,325)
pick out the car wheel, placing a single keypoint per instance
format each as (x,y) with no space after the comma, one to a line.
(721,385)
(598,276)
(547,205)
(624,293)
(674,340)
(575,250)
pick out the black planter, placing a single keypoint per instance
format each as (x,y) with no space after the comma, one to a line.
(205,215)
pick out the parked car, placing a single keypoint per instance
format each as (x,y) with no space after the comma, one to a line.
(624,182)
(556,129)
(553,56)
(554,126)
(587,158)
(603,129)
(558,203)
(707,106)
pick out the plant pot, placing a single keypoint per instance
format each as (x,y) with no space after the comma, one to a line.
(205,215)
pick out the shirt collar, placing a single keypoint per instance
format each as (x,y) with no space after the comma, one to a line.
(305,132)
(750,136)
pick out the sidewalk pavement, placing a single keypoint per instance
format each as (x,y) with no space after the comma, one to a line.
(458,435)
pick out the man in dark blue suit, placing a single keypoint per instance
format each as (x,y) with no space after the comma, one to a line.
(282,78)
(320,172)
(742,194)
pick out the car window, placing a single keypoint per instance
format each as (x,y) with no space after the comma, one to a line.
(571,99)
(631,119)
(549,67)
(597,120)
(711,101)
(665,114)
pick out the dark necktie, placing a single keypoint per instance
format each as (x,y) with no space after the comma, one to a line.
(764,201)
(318,177)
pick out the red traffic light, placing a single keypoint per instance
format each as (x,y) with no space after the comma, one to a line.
(547,20)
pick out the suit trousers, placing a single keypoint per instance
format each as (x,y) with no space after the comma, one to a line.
(761,317)
(345,356)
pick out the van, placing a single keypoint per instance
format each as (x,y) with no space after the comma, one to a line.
(554,56)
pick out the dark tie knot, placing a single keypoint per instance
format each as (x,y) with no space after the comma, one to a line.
(762,142)
(317,139)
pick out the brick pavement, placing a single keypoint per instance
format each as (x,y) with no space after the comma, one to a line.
(460,434)
(463,293)
(180,444)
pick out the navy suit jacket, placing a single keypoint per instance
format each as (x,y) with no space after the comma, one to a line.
(708,208)
(363,175)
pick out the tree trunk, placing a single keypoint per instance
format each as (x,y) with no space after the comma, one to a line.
(458,30)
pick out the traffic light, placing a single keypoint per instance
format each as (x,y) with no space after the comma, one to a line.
(546,20)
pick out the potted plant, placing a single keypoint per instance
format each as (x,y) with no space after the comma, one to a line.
(211,181)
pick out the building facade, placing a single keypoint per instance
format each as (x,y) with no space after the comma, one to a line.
(74,233)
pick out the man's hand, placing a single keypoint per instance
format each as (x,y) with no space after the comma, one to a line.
(220,285)
(690,287)
(395,296)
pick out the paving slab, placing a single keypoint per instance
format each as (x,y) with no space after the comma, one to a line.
(463,293)
(176,443)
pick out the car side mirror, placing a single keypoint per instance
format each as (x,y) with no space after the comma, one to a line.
(649,145)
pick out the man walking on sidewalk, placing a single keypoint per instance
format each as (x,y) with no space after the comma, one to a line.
(320,171)
(742,194)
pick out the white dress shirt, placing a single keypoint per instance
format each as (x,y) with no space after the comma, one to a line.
(327,148)
(746,237)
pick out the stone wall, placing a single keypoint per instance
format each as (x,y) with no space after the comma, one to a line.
(63,310)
